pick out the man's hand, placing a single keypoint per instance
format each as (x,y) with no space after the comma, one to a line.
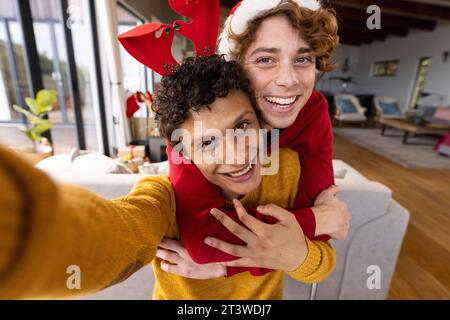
(177,260)
(332,215)
(279,246)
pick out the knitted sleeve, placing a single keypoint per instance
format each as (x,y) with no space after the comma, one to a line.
(58,241)
(319,262)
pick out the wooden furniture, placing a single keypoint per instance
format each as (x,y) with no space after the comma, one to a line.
(409,127)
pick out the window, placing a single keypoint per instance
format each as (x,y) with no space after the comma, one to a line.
(385,68)
(67,56)
(83,49)
(14,84)
(54,60)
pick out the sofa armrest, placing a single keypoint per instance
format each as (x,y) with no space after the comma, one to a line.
(375,244)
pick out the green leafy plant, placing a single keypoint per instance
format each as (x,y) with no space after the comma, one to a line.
(36,115)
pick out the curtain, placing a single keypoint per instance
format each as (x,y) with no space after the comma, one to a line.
(107,24)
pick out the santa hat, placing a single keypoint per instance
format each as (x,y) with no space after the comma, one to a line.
(247,10)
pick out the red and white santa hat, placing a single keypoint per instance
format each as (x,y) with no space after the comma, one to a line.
(247,10)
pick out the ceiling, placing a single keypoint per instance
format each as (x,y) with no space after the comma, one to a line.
(397,17)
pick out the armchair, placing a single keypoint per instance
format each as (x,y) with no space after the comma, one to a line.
(387,107)
(349,109)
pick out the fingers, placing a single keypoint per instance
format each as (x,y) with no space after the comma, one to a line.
(344,226)
(332,190)
(233,249)
(171,268)
(247,219)
(232,226)
(335,189)
(275,211)
(173,245)
(243,262)
(328,195)
(170,256)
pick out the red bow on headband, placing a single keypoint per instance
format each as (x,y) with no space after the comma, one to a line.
(155,51)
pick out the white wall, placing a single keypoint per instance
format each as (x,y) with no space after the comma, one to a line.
(409,51)
(342,52)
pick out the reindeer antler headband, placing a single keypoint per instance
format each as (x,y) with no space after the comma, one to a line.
(155,51)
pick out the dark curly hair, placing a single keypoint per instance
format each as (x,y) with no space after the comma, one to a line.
(196,84)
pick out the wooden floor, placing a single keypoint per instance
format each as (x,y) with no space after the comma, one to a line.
(423,267)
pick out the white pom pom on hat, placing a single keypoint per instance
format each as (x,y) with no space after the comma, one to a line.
(246,11)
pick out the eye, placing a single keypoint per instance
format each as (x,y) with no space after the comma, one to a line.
(264,60)
(304,60)
(241,125)
(208,142)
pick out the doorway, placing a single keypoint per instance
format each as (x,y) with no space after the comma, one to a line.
(419,84)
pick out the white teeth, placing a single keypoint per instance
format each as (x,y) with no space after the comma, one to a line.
(281,101)
(242,172)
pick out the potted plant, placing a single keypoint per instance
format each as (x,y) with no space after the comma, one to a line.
(38,124)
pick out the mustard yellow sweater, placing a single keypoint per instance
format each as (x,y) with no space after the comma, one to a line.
(46,227)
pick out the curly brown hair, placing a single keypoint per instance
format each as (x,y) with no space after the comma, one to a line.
(196,84)
(319,28)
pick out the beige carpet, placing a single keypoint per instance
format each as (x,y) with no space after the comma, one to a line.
(418,153)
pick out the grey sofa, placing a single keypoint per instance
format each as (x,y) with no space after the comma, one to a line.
(377,229)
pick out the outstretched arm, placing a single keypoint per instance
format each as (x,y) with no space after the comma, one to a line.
(50,232)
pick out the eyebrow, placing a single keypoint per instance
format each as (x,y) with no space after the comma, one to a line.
(232,124)
(276,50)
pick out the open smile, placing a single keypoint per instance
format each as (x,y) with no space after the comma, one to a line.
(242,174)
(282,104)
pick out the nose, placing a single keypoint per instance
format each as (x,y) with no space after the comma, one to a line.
(238,149)
(287,75)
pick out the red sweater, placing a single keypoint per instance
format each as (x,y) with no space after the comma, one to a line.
(311,136)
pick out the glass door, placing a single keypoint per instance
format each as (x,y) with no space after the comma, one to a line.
(419,85)
(13,79)
(56,59)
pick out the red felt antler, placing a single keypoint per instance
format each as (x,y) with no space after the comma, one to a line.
(204,27)
(156,52)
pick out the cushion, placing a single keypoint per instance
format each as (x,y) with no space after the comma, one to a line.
(442,113)
(89,164)
(346,106)
(390,108)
